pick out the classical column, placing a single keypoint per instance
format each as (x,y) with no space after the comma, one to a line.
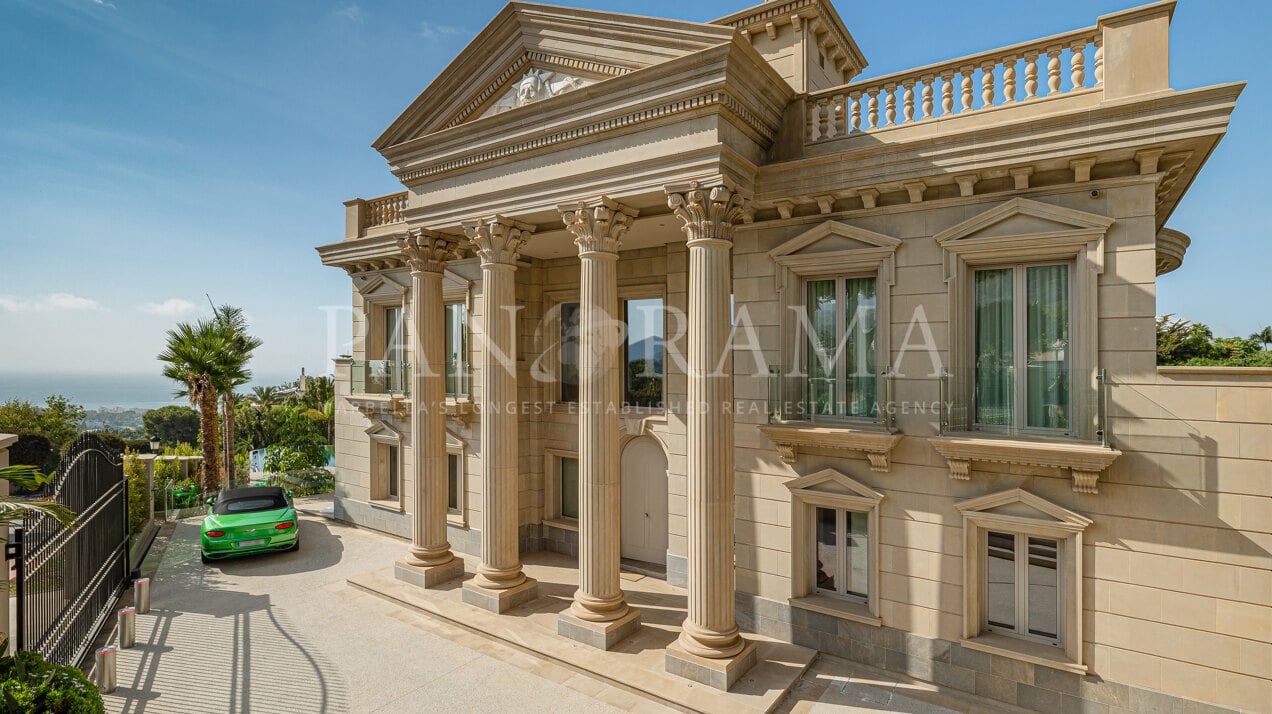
(429,560)
(499,584)
(710,649)
(599,615)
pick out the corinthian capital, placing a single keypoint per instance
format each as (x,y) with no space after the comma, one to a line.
(598,225)
(707,213)
(427,251)
(497,239)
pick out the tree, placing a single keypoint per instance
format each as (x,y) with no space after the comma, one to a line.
(265,396)
(58,419)
(30,479)
(172,424)
(1263,336)
(242,345)
(201,356)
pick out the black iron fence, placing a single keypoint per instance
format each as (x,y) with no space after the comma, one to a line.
(69,580)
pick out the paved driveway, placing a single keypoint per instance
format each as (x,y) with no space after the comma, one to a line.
(284,632)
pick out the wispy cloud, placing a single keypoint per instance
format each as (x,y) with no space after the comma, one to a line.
(54,302)
(104,3)
(172,307)
(351,13)
(434,31)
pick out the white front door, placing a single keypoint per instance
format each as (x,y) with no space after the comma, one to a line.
(644,494)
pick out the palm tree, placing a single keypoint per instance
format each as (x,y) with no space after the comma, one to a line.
(231,319)
(201,357)
(265,396)
(1264,336)
(12,508)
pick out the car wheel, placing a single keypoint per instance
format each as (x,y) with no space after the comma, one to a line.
(203,558)
(295,546)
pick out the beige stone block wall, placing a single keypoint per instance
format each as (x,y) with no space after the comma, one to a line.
(1177,566)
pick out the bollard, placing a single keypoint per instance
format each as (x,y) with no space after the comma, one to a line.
(106,670)
(127,627)
(142,595)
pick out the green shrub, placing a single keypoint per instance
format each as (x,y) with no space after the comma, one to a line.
(34,685)
(33,449)
(304,482)
(114,443)
(138,494)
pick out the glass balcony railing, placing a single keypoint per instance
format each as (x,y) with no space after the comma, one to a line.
(863,399)
(380,376)
(1045,400)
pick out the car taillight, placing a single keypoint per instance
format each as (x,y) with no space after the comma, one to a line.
(215,534)
(284,526)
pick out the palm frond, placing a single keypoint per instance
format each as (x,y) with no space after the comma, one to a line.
(12,508)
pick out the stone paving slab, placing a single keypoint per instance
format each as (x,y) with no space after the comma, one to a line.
(636,663)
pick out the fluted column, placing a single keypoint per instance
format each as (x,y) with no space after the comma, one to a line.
(429,558)
(499,581)
(598,226)
(708,216)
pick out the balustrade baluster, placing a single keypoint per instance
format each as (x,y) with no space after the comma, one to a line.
(872,110)
(890,108)
(826,119)
(1031,76)
(1099,62)
(855,121)
(1053,70)
(967,89)
(927,96)
(987,84)
(1077,65)
(947,94)
(907,101)
(814,121)
(840,124)
(1009,80)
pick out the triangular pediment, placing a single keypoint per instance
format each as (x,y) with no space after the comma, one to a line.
(835,482)
(382,428)
(1018,503)
(833,237)
(533,53)
(378,288)
(1021,217)
(453,441)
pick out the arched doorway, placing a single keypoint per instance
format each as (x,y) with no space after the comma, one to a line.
(644,498)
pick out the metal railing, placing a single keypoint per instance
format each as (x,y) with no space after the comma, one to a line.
(796,397)
(1048,401)
(385,377)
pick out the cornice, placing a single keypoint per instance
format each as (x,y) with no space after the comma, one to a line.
(1084,461)
(380,252)
(875,445)
(780,13)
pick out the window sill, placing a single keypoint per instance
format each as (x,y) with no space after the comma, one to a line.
(876,443)
(385,504)
(376,405)
(1024,651)
(567,524)
(1084,461)
(854,611)
(457,519)
(459,408)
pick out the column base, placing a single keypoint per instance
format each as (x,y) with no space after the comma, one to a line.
(500,601)
(428,576)
(601,635)
(716,673)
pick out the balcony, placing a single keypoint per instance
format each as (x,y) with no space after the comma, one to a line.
(1124,48)
(851,414)
(373,216)
(380,377)
(1045,416)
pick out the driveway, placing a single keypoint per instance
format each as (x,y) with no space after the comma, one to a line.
(284,631)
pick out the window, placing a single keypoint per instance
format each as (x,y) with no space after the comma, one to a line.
(456,349)
(1022,594)
(385,444)
(561,497)
(1022,561)
(841,351)
(394,346)
(842,554)
(834,546)
(454,482)
(643,382)
(569,322)
(1021,347)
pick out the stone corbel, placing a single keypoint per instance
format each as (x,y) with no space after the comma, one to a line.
(374,407)
(875,446)
(462,410)
(1083,462)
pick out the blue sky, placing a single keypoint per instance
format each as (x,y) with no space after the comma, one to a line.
(154,152)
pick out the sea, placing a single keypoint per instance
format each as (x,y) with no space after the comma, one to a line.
(91,391)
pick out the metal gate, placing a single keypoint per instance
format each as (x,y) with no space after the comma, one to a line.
(69,580)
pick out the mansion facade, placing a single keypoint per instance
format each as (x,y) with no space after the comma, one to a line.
(867,365)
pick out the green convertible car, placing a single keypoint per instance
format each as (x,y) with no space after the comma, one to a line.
(257,519)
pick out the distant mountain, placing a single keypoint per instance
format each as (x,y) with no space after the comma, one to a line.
(650,348)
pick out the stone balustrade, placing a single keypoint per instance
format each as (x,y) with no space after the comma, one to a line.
(384,210)
(1052,66)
